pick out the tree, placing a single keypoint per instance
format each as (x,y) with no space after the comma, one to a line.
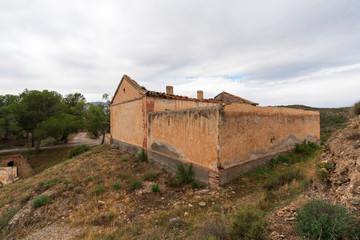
(73,120)
(98,119)
(69,124)
(73,99)
(8,124)
(34,110)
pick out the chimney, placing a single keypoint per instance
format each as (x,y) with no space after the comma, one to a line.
(170,90)
(200,94)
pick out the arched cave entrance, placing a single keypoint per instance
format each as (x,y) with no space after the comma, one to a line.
(11,164)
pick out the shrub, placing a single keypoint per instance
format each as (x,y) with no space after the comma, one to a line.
(327,166)
(150,176)
(155,188)
(280,180)
(357,108)
(212,231)
(324,138)
(123,176)
(41,200)
(98,190)
(136,185)
(25,199)
(194,185)
(89,179)
(174,182)
(125,159)
(111,216)
(185,175)
(7,215)
(319,219)
(116,186)
(50,183)
(142,156)
(78,150)
(249,223)
(306,148)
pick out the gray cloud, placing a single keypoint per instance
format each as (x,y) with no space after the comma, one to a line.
(272,52)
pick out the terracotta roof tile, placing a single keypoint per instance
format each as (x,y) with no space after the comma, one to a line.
(178,97)
(236,98)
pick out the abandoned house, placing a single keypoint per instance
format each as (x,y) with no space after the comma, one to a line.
(221,137)
(11,167)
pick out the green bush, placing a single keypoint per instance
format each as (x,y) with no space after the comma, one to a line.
(194,185)
(280,180)
(185,175)
(136,185)
(249,224)
(155,188)
(142,156)
(25,199)
(7,215)
(116,186)
(41,200)
(125,159)
(319,219)
(324,138)
(89,179)
(50,183)
(357,108)
(123,176)
(150,176)
(111,216)
(306,148)
(98,190)
(79,150)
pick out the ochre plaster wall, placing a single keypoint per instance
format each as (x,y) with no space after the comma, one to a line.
(162,104)
(248,133)
(190,135)
(129,94)
(127,122)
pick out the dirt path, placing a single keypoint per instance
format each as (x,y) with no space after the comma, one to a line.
(83,138)
(78,139)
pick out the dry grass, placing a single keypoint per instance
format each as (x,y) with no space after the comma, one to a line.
(173,213)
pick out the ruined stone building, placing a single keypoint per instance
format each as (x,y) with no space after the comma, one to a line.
(11,167)
(221,137)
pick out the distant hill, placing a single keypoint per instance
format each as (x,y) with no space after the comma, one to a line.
(98,103)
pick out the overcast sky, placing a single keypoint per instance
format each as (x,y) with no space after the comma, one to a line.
(272,52)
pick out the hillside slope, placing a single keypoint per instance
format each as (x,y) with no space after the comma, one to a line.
(342,174)
(107,194)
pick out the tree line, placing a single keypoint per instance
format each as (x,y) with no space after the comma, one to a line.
(43,114)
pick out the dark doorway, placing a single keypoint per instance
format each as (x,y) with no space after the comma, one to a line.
(11,164)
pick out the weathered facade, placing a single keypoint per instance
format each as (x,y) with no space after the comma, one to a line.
(221,137)
(11,167)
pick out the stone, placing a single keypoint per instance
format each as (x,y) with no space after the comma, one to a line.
(202,204)
(186,214)
(190,205)
(175,219)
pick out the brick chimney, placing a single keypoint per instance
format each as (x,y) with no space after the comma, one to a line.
(170,90)
(200,94)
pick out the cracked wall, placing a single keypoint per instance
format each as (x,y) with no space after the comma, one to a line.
(248,133)
(189,135)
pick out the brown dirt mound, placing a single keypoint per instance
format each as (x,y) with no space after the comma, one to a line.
(342,158)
